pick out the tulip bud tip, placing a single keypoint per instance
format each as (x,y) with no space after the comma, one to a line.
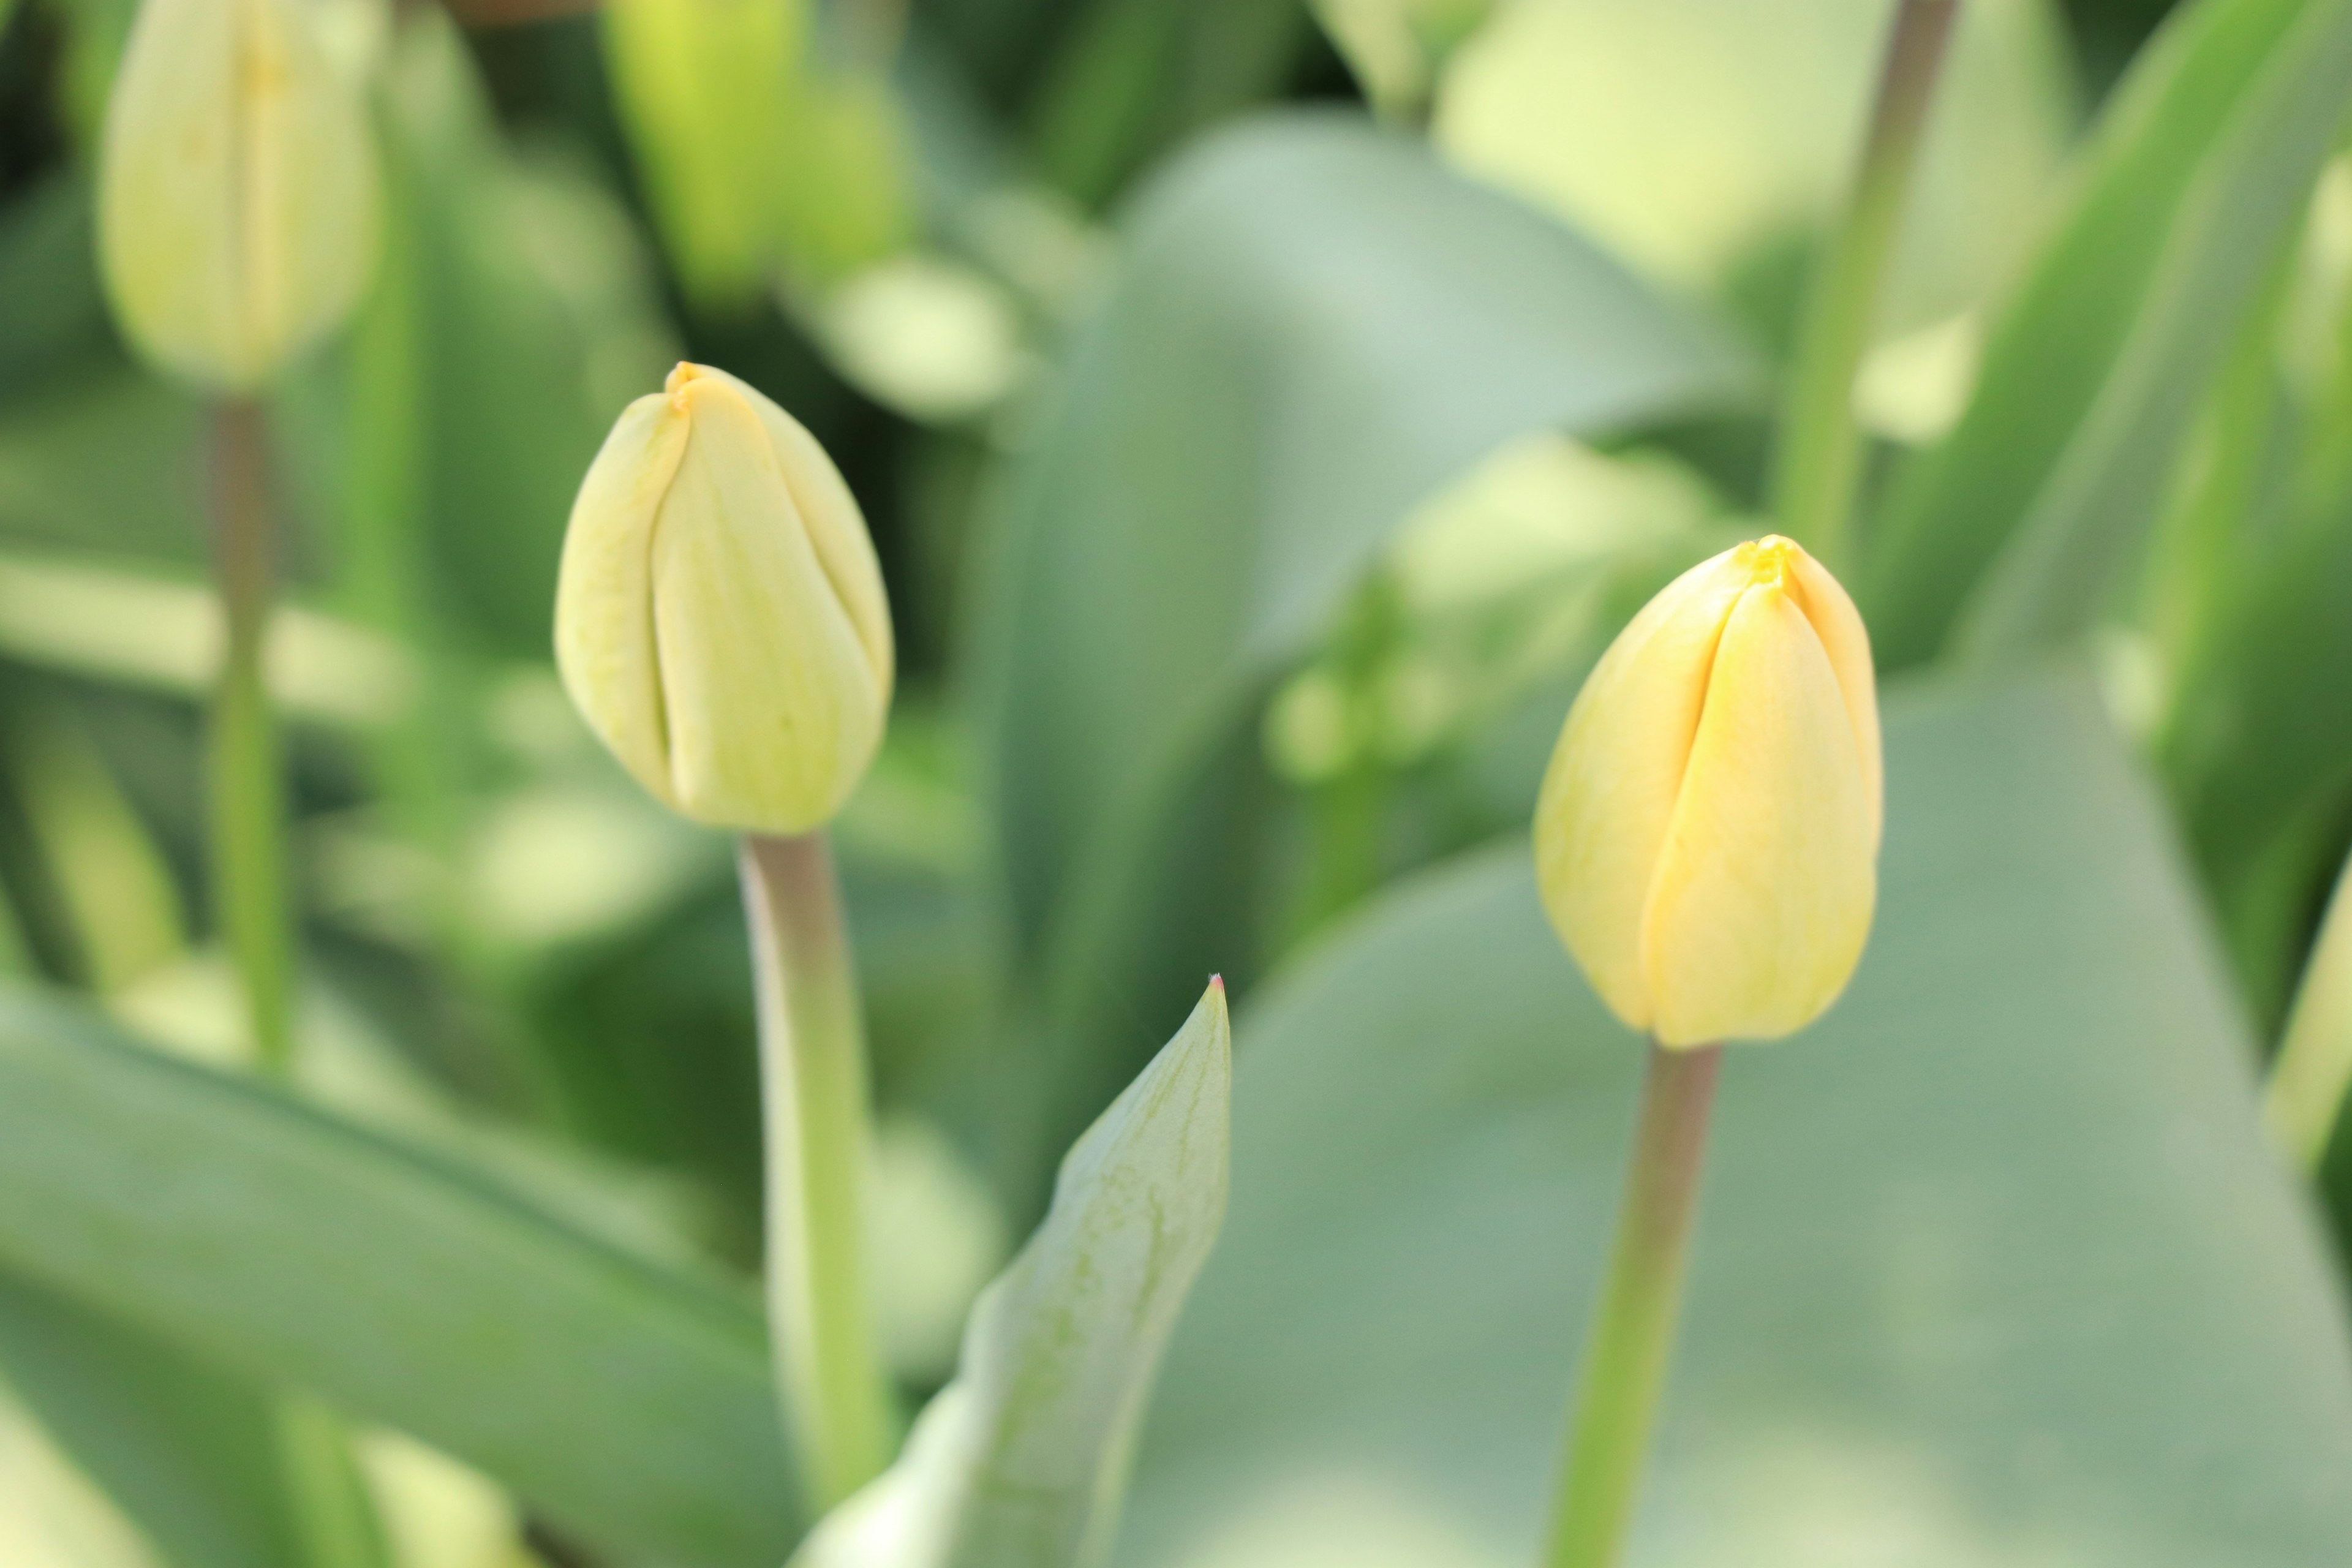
(1216,983)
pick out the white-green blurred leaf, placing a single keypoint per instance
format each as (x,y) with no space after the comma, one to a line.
(1695,135)
(1021,1461)
(143,628)
(934,340)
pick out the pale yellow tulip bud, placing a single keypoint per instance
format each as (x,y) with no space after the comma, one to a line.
(1707,836)
(720,617)
(237,189)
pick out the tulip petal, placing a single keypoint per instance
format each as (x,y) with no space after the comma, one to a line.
(1609,796)
(836,527)
(603,596)
(238,200)
(1847,642)
(1764,890)
(775,706)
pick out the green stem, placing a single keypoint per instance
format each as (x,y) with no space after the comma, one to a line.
(335,1521)
(248,796)
(836,1400)
(1820,451)
(1632,1338)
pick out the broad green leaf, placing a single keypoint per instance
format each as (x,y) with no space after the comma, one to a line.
(2102,300)
(1994,1264)
(1316,327)
(191,1456)
(1023,1461)
(2089,523)
(629,1403)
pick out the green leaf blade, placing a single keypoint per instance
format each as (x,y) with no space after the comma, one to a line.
(300,1248)
(1021,1461)
(2059,342)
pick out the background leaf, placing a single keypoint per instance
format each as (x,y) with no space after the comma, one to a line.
(1994,1267)
(305,1250)
(1316,326)
(2089,523)
(192,1455)
(2060,344)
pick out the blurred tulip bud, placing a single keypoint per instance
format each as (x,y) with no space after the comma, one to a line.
(237,189)
(720,617)
(1707,840)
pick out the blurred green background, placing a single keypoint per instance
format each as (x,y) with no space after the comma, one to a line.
(1265,413)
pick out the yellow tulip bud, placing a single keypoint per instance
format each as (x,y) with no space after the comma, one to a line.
(237,194)
(1707,840)
(720,617)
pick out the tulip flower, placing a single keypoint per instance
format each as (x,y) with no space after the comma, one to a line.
(237,189)
(1707,836)
(721,621)
(720,617)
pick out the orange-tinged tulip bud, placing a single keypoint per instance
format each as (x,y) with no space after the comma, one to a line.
(720,617)
(1707,840)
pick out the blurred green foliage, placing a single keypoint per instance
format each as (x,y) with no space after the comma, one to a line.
(1257,462)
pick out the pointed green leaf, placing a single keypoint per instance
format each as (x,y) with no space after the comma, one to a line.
(2090,522)
(2067,370)
(1021,1461)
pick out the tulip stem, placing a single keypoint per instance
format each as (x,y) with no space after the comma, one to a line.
(836,1401)
(248,785)
(1818,457)
(1633,1334)
(333,1518)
